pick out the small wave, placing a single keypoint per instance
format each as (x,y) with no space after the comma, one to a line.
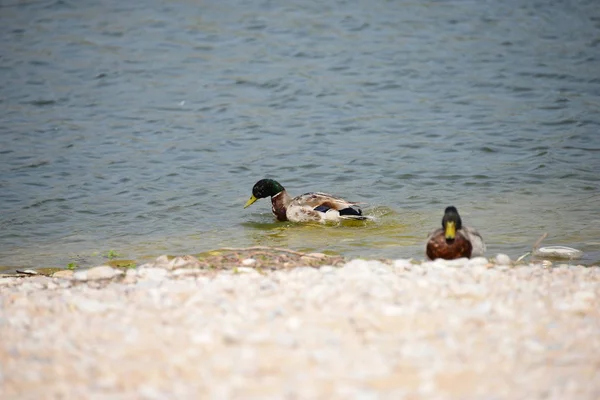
(32,165)
(592,149)
(563,121)
(42,102)
(42,202)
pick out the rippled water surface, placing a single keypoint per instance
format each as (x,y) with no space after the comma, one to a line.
(141,127)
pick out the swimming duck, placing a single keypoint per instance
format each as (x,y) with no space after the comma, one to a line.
(454,240)
(314,206)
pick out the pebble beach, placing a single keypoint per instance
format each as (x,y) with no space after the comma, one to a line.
(360,329)
(131,130)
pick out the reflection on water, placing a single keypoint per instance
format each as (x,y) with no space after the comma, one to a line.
(143,126)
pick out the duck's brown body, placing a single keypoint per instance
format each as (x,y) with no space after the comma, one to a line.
(280,202)
(439,247)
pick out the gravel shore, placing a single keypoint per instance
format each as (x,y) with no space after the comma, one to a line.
(463,329)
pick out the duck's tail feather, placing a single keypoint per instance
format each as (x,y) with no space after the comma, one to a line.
(352,214)
(351,211)
(348,213)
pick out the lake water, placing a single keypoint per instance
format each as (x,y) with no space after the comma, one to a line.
(141,127)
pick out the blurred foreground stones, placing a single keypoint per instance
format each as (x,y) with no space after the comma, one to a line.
(180,328)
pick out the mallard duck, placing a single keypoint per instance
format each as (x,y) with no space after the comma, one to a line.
(314,206)
(454,240)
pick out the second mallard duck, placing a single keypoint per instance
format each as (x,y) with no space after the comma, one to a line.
(314,206)
(454,240)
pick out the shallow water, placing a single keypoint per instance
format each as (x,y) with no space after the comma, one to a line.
(142,127)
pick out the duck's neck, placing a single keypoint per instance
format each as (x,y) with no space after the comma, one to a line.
(280,203)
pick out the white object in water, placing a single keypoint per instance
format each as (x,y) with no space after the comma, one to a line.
(27,272)
(558,252)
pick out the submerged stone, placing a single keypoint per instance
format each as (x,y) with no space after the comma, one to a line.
(562,252)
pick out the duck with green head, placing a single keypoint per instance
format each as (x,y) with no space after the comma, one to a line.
(313,206)
(453,240)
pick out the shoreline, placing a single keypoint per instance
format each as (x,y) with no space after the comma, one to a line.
(278,258)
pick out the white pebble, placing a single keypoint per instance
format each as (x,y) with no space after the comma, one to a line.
(502,259)
(184,272)
(406,264)
(152,274)
(439,264)
(534,346)
(477,261)
(304,272)
(97,273)
(327,269)
(361,267)
(130,276)
(202,337)
(584,296)
(231,335)
(293,323)
(90,306)
(248,262)
(459,262)
(80,275)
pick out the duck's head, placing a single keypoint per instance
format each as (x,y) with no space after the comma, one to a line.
(451,222)
(264,188)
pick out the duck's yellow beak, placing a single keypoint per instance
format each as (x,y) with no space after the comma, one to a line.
(450,230)
(250,201)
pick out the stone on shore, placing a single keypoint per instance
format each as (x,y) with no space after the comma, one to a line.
(64,274)
(503,259)
(97,273)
